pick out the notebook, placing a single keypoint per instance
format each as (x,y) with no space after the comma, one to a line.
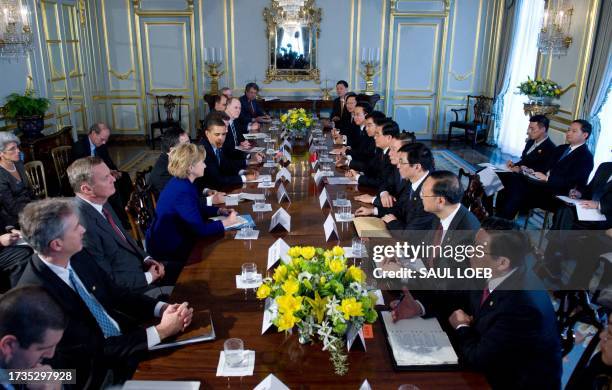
(200,329)
(418,343)
(371,227)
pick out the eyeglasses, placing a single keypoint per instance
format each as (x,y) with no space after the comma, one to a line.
(12,149)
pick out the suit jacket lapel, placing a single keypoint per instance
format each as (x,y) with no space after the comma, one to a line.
(64,293)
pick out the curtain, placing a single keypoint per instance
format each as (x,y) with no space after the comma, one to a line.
(600,74)
(508,26)
(522,61)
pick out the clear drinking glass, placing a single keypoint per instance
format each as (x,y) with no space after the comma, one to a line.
(234,352)
(345,212)
(358,247)
(249,272)
(246,232)
(259,204)
(341,198)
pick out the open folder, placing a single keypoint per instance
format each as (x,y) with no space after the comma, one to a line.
(418,344)
(371,227)
(200,329)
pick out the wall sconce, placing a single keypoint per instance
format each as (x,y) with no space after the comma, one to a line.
(15,30)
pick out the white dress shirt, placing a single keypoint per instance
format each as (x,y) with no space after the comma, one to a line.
(536,144)
(447,221)
(64,274)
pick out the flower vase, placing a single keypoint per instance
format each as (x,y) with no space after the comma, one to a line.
(541,100)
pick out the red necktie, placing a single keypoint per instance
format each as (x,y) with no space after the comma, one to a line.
(437,240)
(485,295)
(110,220)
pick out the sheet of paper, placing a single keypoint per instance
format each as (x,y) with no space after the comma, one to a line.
(418,341)
(250,196)
(281,217)
(253,236)
(343,218)
(254,284)
(266,207)
(490,181)
(271,383)
(496,167)
(281,194)
(585,214)
(324,198)
(261,179)
(232,200)
(330,227)
(245,369)
(569,200)
(239,221)
(161,385)
(339,180)
(270,312)
(278,250)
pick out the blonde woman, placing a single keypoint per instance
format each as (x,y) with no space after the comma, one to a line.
(181,218)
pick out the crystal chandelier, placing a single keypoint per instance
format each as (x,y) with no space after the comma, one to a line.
(292,10)
(554,37)
(15,30)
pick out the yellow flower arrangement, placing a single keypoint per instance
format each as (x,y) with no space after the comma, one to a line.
(297,120)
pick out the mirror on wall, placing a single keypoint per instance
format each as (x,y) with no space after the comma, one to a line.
(292,28)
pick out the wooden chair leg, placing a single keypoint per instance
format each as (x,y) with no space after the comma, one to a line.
(450,132)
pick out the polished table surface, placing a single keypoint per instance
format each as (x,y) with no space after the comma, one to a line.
(208,281)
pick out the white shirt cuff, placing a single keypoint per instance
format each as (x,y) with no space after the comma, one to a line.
(244,179)
(422,307)
(149,277)
(152,337)
(209,201)
(357,177)
(375,211)
(241,172)
(461,326)
(349,158)
(373,199)
(157,309)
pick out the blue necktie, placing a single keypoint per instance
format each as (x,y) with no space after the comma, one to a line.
(234,133)
(108,328)
(218,154)
(566,153)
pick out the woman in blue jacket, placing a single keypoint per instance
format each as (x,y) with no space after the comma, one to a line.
(181,218)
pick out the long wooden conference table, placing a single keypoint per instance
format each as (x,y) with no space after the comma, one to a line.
(208,281)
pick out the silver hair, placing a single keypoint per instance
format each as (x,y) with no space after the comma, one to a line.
(46,220)
(6,137)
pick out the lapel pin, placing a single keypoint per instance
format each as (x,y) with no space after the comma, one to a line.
(93,288)
(490,303)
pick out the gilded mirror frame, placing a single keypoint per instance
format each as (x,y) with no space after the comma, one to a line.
(274,16)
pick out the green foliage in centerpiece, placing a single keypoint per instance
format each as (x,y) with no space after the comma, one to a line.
(321,295)
(540,88)
(297,121)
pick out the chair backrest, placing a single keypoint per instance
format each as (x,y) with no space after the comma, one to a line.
(479,108)
(141,181)
(371,99)
(140,214)
(169,103)
(61,156)
(473,195)
(36,176)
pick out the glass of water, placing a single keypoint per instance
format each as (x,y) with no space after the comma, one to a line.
(234,352)
(246,232)
(341,198)
(249,272)
(259,204)
(345,212)
(358,247)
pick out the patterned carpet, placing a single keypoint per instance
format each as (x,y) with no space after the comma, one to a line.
(142,160)
(449,161)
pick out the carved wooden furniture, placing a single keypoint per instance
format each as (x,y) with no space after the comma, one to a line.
(35,172)
(169,103)
(474,197)
(140,214)
(476,119)
(62,156)
(288,102)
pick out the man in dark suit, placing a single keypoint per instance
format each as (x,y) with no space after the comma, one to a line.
(454,227)
(250,110)
(568,168)
(160,175)
(94,144)
(31,326)
(357,159)
(109,245)
(338,106)
(220,170)
(343,131)
(236,131)
(102,331)
(508,330)
(538,149)
(380,167)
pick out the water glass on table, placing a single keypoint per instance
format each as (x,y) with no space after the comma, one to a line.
(234,352)
(249,273)
(341,198)
(358,247)
(345,212)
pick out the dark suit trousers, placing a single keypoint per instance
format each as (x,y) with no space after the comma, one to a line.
(13,261)
(521,193)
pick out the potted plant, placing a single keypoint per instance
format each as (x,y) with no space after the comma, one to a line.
(540,91)
(28,111)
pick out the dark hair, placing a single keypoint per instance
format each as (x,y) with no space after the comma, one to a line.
(214,119)
(343,83)
(27,312)
(349,95)
(170,139)
(96,128)
(447,185)
(390,128)
(380,121)
(541,120)
(506,240)
(376,114)
(251,85)
(367,108)
(406,137)
(218,98)
(585,126)
(419,154)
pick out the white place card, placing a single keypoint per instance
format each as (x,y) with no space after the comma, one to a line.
(243,285)
(314,164)
(330,228)
(318,176)
(281,194)
(348,253)
(284,174)
(250,196)
(324,199)
(354,336)
(286,145)
(280,217)
(245,369)
(286,155)
(283,134)
(271,383)
(365,385)
(379,297)
(270,312)
(276,251)
(263,208)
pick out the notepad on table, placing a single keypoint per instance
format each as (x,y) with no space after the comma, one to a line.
(241,221)
(371,227)
(418,342)
(200,329)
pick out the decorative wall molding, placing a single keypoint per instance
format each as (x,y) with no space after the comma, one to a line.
(459,76)
(121,76)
